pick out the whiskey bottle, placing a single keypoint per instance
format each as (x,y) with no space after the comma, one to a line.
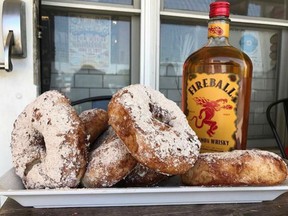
(216,87)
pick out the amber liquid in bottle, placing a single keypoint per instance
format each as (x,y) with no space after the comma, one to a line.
(216,109)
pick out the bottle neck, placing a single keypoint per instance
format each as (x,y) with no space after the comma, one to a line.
(218,31)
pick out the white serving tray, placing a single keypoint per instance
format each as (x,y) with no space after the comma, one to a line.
(172,193)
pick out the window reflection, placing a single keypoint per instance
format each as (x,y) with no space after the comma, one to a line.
(253,8)
(193,5)
(126,2)
(84,55)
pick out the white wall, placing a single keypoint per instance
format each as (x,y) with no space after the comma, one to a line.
(16,89)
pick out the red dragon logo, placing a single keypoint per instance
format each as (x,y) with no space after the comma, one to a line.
(209,108)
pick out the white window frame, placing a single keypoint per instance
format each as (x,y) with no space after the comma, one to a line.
(150,43)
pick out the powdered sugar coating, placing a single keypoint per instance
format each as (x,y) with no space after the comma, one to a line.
(216,156)
(48,143)
(154,129)
(95,122)
(238,167)
(109,161)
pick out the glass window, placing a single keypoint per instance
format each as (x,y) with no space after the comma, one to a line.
(178,40)
(84,54)
(118,2)
(127,2)
(253,8)
(193,5)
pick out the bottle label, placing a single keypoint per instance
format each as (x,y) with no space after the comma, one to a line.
(218,29)
(211,104)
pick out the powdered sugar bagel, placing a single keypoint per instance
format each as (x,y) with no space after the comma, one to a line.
(49,143)
(154,129)
(95,122)
(109,161)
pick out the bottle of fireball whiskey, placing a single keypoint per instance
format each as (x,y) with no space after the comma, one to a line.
(217,87)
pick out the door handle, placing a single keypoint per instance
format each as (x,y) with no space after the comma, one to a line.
(14,32)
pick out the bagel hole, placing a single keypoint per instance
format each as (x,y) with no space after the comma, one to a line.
(160,114)
(30,165)
(40,143)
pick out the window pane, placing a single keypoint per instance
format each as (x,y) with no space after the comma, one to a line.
(84,54)
(126,2)
(193,5)
(179,40)
(254,8)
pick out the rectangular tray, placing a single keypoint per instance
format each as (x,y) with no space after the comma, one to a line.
(170,193)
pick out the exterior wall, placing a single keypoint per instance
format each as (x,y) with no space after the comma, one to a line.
(17,89)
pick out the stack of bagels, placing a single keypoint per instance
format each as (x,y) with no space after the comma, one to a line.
(142,139)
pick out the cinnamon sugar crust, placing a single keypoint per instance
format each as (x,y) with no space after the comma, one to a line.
(95,122)
(154,129)
(239,167)
(109,161)
(48,143)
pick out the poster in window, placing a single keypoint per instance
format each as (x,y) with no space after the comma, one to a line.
(89,41)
